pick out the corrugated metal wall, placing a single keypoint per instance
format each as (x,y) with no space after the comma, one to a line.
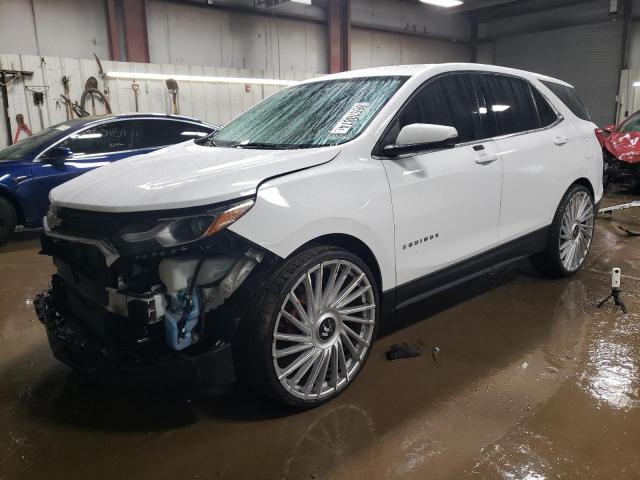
(587,57)
(216,103)
(371,48)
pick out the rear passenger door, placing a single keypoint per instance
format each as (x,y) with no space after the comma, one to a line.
(532,145)
(446,202)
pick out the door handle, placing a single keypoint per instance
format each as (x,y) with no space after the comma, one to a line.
(486,159)
(559,141)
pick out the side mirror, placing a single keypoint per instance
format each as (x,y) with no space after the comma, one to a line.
(418,137)
(57,155)
(610,128)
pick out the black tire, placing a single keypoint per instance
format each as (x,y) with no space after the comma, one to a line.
(549,261)
(8,220)
(254,356)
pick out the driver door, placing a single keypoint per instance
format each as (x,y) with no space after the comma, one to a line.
(446,201)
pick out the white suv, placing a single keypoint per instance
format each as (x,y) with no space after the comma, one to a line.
(272,249)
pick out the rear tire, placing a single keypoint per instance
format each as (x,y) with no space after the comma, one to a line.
(303,355)
(570,236)
(8,220)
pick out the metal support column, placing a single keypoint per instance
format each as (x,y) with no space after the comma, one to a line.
(473,41)
(127,27)
(627,10)
(339,23)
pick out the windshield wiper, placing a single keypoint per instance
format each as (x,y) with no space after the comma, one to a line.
(206,141)
(272,146)
(258,145)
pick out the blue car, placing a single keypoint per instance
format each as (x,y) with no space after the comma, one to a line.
(30,168)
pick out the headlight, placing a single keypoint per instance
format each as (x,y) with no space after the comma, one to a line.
(172,232)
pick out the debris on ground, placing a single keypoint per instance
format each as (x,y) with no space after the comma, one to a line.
(629,232)
(435,351)
(403,350)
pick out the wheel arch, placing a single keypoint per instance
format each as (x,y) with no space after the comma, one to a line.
(353,245)
(5,194)
(584,182)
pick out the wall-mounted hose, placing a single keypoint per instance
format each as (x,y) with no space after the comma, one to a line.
(93,91)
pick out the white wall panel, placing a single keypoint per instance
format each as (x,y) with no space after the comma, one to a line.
(373,49)
(215,103)
(186,34)
(71,28)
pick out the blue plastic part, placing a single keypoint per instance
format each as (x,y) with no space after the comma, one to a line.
(172,317)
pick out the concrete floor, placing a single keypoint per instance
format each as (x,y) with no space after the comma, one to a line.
(532,382)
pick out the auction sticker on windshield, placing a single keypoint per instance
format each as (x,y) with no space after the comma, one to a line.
(350,118)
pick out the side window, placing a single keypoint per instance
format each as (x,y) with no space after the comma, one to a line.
(449,100)
(105,138)
(570,98)
(546,114)
(508,105)
(159,133)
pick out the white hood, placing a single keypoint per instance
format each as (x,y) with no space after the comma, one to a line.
(180,176)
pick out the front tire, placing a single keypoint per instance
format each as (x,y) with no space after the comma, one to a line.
(570,236)
(8,220)
(311,330)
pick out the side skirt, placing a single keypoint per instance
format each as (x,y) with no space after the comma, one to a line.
(436,282)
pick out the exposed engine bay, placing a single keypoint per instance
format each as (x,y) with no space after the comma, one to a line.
(116,303)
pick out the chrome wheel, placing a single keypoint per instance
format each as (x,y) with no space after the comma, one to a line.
(576,231)
(324,330)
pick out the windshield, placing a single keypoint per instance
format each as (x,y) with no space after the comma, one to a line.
(631,124)
(311,115)
(27,145)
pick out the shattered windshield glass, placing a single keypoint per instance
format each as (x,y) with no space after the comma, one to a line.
(311,115)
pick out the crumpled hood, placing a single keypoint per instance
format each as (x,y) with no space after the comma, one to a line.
(181,176)
(624,146)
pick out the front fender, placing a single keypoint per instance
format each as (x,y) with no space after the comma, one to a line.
(349,197)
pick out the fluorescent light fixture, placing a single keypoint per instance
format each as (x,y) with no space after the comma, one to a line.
(201,78)
(443,3)
(306,2)
(636,84)
(500,108)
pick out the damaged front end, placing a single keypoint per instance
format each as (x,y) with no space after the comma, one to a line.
(157,293)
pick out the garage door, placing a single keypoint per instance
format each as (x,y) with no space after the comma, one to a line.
(587,57)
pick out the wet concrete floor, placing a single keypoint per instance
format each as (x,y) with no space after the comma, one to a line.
(532,382)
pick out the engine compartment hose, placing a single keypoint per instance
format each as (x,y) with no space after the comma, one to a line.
(187,300)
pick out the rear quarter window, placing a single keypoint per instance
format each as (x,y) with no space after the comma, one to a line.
(570,98)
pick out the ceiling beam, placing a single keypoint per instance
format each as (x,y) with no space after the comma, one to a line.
(524,7)
(477,5)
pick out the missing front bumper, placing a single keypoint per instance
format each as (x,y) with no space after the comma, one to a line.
(75,345)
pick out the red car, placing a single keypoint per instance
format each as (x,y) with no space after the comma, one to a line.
(621,145)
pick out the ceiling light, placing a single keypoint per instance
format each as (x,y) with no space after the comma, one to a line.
(201,78)
(306,2)
(443,3)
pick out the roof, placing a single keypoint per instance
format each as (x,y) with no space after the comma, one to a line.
(78,122)
(426,69)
